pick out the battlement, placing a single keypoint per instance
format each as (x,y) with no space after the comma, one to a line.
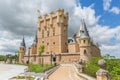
(59,14)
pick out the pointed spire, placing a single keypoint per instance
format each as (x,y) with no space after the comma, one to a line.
(83,32)
(35,40)
(23,43)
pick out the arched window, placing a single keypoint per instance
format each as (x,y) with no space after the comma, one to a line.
(85,52)
(83,41)
(47,33)
(42,33)
(53,31)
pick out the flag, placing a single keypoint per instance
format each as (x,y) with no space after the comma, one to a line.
(38,11)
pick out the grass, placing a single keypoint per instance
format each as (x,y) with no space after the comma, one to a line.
(22,77)
(39,68)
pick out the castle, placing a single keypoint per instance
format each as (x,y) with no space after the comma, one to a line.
(53,34)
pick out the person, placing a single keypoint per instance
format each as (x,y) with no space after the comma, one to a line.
(54,58)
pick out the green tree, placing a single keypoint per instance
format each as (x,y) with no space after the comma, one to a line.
(91,67)
(41,50)
(113,66)
(2,57)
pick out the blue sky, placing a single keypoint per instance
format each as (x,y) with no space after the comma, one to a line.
(107,18)
(19,17)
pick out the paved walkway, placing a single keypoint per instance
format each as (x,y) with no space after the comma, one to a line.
(8,70)
(65,72)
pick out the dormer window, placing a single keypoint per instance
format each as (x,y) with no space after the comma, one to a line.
(82,31)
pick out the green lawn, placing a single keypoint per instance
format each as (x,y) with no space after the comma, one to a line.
(22,77)
(39,68)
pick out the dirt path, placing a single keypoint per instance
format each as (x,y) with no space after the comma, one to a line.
(65,72)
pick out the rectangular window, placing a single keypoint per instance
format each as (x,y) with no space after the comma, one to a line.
(42,33)
(83,41)
(54,43)
(47,33)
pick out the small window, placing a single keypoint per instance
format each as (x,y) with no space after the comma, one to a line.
(65,43)
(47,33)
(83,41)
(42,41)
(82,31)
(42,33)
(54,43)
(47,43)
(85,52)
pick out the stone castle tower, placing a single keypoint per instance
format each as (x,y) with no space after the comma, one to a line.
(53,32)
(83,44)
(22,50)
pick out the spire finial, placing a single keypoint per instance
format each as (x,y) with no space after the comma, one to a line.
(23,42)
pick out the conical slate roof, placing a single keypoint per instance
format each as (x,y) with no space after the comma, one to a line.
(23,43)
(83,32)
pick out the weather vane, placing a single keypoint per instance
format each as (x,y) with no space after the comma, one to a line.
(38,11)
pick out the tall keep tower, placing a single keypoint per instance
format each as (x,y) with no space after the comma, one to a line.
(22,50)
(53,32)
(86,46)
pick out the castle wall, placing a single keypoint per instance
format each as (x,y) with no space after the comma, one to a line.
(73,47)
(95,51)
(65,57)
(33,50)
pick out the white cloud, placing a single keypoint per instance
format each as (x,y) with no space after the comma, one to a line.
(115,10)
(106,7)
(106,4)
(113,50)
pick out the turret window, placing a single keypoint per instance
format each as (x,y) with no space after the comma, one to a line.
(85,52)
(82,31)
(83,41)
(42,33)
